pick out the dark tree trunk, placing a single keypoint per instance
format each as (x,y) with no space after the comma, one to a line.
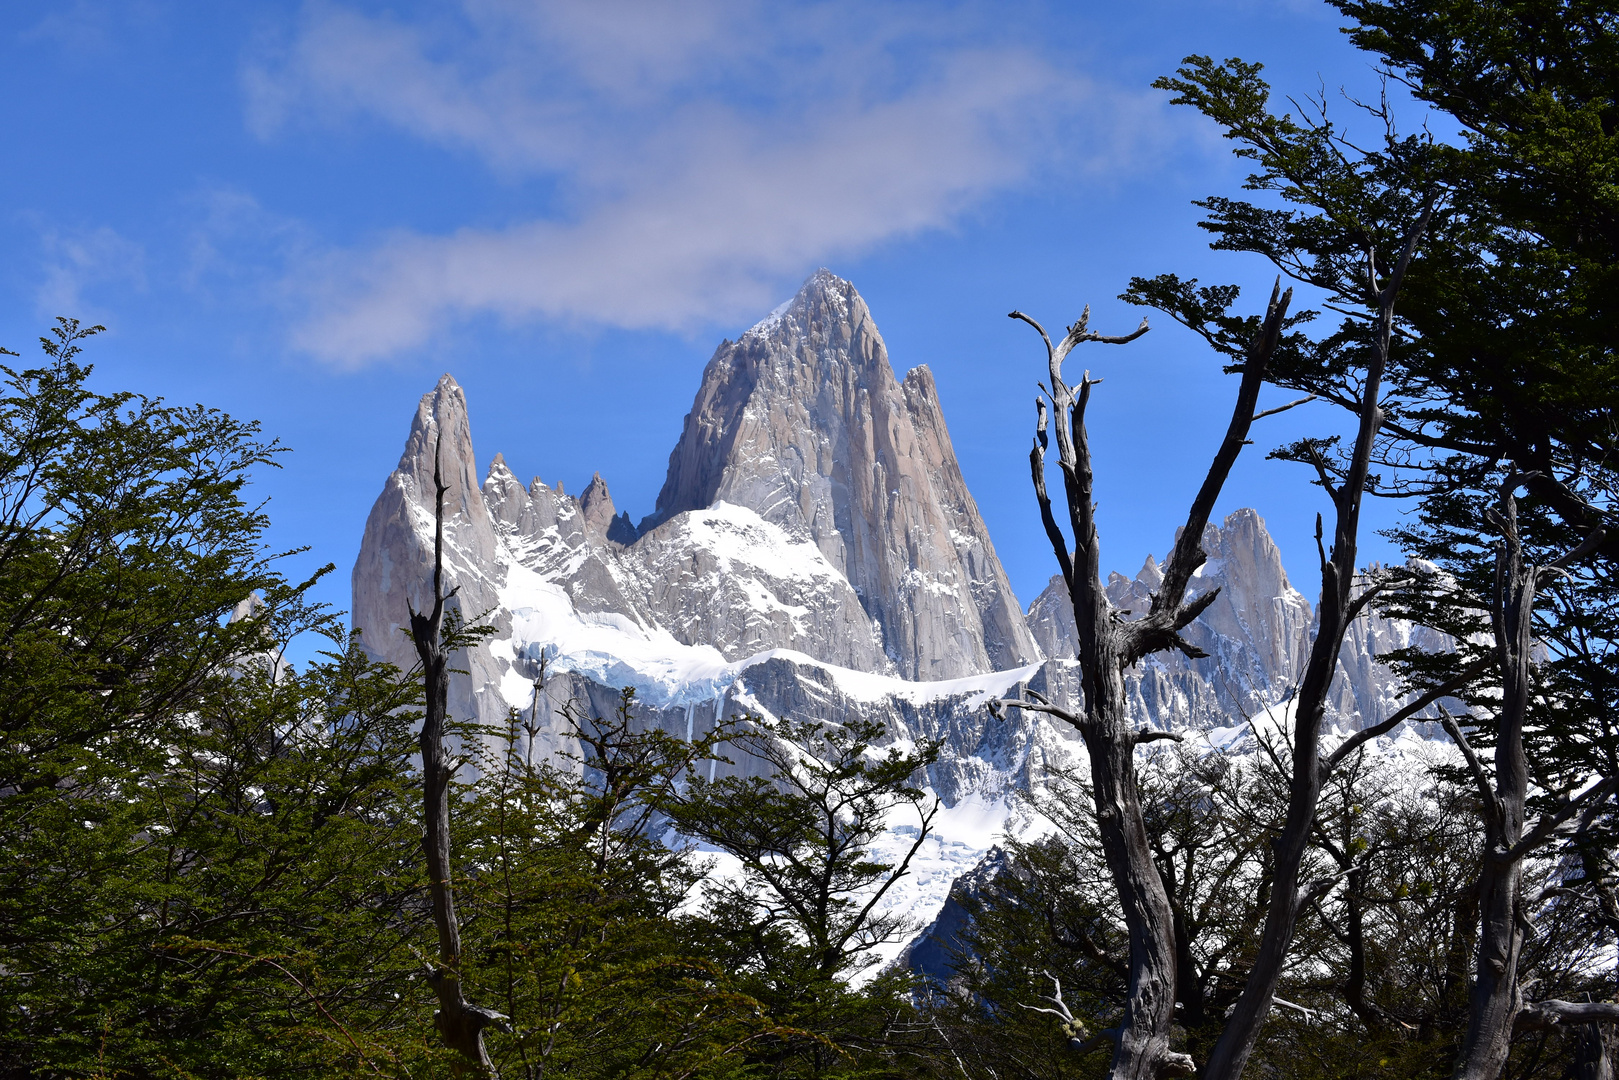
(1355,931)
(1496,1006)
(1338,609)
(1188,987)
(1107,646)
(460,1023)
(1495,999)
(1592,1060)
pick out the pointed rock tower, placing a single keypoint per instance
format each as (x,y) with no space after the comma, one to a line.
(394,570)
(803,422)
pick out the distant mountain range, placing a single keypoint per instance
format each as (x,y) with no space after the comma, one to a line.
(814,552)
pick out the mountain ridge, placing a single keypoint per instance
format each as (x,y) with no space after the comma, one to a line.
(836,567)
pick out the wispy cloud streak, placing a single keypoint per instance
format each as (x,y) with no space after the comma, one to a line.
(700,154)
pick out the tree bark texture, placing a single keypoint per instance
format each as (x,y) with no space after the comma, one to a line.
(1496,1008)
(460,1023)
(1591,1058)
(1593,1045)
(1337,610)
(1107,646)
(1496,998)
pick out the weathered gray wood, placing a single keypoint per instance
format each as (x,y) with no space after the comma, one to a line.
(1337,609)
(1108,645)
(460,1023)
(1496,1006)
(1592,1059)
(1550,1013)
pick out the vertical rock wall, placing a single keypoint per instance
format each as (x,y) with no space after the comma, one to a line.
(803,421)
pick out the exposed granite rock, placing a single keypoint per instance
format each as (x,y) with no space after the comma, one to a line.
(726,577)
(1258,634)
(814,504)
(555,536)
(394,570)
(803,421)
(596,506)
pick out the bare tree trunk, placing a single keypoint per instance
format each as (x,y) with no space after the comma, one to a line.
(1107,646)
(1355,983)
(1591,1058)
(1496,1000)
(1188,988)
(459,1022)
(1338,609)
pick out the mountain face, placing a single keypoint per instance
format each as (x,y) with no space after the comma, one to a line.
(394,571)
(1257,632)
(814,553)
(802,421)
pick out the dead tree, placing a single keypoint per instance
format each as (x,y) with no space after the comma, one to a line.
(1107,646)
(1346,485)
(1496,1006)
(460,1023)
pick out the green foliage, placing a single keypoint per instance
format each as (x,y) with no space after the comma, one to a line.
(571,906)
(208,855)
(123,543)
(1503,365)
(1344,211)
(810,888)
(1514,310)
(1378,983)
(803,916)
(214,862)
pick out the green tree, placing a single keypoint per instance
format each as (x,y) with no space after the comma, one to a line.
(572,906)
(1515,325)
(804,913)
(206,852)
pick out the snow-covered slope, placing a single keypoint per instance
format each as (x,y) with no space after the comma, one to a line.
(1258,634)
(815,554)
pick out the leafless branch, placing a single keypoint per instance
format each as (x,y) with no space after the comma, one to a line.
(1548,1014)
(1291,1005)
(1585,547)
(1476,767)
(1358,604)
(1326,481)
(1284,408)
(1410,709)
(1547,824)
(1035,706)
(1318,888)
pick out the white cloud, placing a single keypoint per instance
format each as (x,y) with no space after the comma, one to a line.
(78,259)
(703,153)
(231,240)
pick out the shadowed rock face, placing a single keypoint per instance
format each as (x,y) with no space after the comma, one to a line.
(803,422)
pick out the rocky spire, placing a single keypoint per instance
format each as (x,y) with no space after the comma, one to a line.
(803,421)
(597,506)
(394,567)
(1257,634)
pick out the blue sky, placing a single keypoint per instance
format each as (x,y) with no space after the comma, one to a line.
(303,213)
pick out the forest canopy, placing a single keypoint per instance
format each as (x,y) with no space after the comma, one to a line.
(222,864)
